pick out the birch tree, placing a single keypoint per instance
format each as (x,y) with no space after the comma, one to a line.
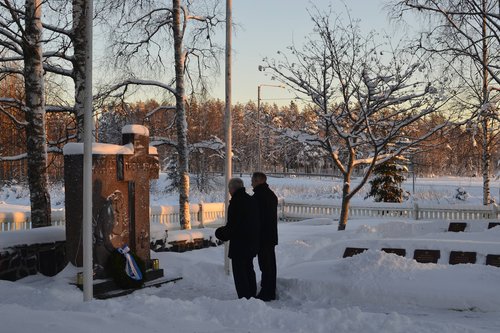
(365,96)
(145,32)
(465,34)
(21,32)
(67,55)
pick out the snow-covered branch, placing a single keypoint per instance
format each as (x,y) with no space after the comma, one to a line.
(160,108)
(14,158)
(214,144)
(59,108)
(17,123)
(157,141)
(107,92)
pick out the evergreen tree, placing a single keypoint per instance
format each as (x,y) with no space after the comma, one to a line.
(386,183)
(172,174)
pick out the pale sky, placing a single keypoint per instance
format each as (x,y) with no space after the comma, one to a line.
(266,26)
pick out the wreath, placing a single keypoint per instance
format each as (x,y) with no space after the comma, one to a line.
(116,268)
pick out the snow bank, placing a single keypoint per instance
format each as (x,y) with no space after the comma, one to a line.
(375,277)
(33,236)
(190,235)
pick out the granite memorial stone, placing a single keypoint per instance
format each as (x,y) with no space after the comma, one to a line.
(427,256)
(493,224)
(459,257)
(493,260)
(399,252)
(120,200)
(457,226)
(352,251)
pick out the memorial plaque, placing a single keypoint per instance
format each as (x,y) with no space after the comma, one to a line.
(427,256)
(352,251)
(493,260)
(120,196)
(458,257)
(493,224)
(399,252)
(457,226)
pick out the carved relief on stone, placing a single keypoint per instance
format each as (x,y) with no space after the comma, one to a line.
(120,234)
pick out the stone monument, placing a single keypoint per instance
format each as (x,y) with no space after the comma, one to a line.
(120,199)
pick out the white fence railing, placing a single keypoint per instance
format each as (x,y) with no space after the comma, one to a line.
(22,220)
(289,210)
(201,215)
(298,210)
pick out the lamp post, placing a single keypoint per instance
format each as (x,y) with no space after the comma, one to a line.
(259,155)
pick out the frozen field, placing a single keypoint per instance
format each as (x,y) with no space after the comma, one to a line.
(441,190)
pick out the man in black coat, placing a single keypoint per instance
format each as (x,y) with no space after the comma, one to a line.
(268,206)
(242,230)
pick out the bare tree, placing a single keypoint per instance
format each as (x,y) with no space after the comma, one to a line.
(145,32)
(365,97)
(21,36)
(64,37)
(464,34)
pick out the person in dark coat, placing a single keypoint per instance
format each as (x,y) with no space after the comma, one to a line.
(268,206)
(242,230)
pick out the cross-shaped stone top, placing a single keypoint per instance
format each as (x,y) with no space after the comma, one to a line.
(138,169)
(144,161)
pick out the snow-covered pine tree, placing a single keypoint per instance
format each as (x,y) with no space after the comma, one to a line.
(172,174)
(386,183)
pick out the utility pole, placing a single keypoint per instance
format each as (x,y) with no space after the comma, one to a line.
(259,147)
(228,124)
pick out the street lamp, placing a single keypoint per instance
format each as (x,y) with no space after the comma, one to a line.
(259,156)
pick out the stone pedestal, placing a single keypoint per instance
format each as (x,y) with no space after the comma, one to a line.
(120,211)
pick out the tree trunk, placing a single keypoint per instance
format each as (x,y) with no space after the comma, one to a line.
(486,157)
(78,39)
(181,122)
(344,210)
(36,145)
(485,162)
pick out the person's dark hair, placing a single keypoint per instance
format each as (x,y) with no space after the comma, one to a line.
(260,176)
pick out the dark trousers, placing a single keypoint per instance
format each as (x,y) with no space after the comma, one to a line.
(244,277)
(267,265)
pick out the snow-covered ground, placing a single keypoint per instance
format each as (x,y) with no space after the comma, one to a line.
(318,290)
